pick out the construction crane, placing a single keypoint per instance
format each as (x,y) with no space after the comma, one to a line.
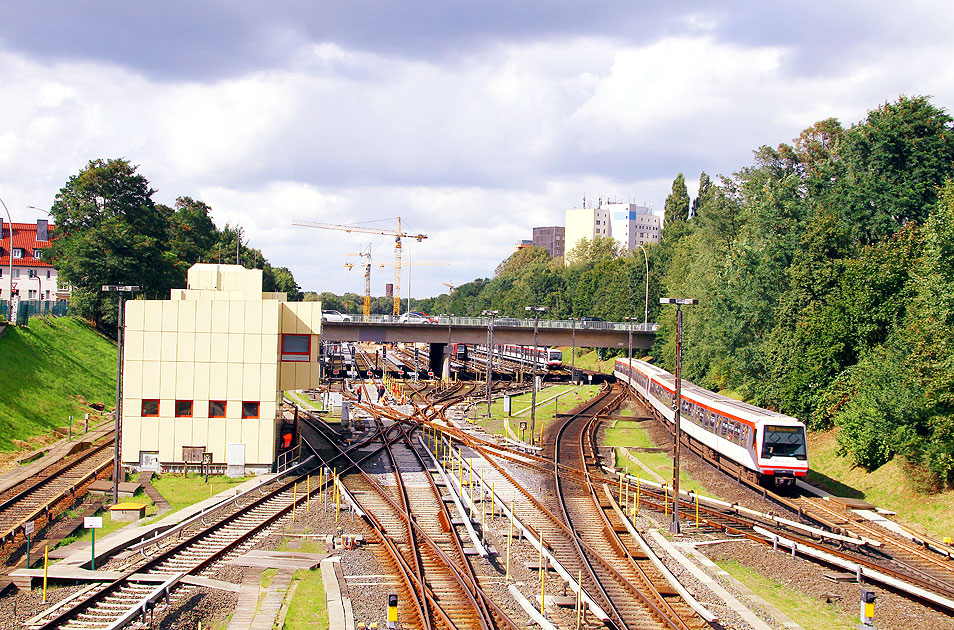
(397,234)
(367,272)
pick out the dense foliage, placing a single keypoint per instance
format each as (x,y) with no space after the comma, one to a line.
(108,230)
(825,278)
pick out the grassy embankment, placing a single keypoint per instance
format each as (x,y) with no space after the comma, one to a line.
(50,368)
(564,398)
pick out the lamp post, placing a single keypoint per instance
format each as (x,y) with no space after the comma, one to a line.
(490,353)
(10,255)
(113,288)
(573,321)
(629,336)
(677,433)
(533,389)
(646,311)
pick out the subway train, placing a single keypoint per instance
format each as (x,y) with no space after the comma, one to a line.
(770,447)
(549,358)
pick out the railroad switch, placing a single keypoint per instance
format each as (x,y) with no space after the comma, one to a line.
(867,610)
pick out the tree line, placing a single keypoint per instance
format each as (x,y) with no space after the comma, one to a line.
(109,230)
(825,278)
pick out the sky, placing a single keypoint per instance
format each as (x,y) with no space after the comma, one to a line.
(472,121)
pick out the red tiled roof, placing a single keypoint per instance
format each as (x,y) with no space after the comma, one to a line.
(24,236)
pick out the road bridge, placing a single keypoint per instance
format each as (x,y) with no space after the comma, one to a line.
(473,330)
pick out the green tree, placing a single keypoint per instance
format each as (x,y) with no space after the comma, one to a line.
(592,251)
(109,231)
(677,203)
(192,235)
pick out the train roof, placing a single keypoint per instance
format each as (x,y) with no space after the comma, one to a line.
(718,402)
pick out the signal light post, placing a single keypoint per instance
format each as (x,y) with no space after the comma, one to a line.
(677,433)
(490,353)
(533,389)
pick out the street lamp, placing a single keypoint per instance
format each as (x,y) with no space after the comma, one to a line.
(533,396)
(490,353)
(113,288)
(677,434)
(573,321)
(629,335)
(10,254)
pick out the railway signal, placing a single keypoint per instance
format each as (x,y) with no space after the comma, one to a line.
(392,610)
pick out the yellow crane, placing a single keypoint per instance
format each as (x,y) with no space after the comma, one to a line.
(367,272)
(361,229)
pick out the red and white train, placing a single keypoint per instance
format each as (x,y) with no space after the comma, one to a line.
(769,446)
(544,357)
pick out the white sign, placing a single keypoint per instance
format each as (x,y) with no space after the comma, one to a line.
(28,527)
(93,522)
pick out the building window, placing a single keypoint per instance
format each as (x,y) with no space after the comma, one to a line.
(216,408)
(18,252)
(183,409)
(32,295)
(150,408)
(250,409)
(48,274)
(16,273)
(37,253)
(296,347)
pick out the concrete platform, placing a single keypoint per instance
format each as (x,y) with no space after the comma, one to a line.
(126,489)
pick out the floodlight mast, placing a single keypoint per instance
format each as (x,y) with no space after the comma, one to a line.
(677,433)
(117,423)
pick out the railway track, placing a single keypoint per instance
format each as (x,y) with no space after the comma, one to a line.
(197,549)
(43,497)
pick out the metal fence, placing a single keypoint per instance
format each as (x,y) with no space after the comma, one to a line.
(510,322)
(34,308)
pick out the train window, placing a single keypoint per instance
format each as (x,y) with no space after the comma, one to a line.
(782,441)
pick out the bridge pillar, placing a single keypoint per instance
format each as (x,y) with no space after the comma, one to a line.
(439,360)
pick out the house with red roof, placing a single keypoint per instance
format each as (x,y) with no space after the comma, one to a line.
(33,277)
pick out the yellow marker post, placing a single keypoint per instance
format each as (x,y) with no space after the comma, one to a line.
(637,495)
(46,566)
(620,493)
(337,499)
(697,509)
(509,540)
(666,501)
(543,574)
(579,597)
(294,498)
(493,498)
(308,494)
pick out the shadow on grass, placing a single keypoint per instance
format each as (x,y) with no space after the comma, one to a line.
(834,486)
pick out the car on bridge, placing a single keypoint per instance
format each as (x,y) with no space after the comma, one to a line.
(334,316)
(415,317)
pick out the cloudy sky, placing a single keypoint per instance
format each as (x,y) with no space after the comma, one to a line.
(473,121)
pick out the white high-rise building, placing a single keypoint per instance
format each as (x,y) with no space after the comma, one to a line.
(628,223)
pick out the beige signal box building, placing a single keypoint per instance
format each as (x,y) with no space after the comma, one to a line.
(203,372)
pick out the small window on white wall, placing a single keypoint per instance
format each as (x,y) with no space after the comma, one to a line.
(296,347)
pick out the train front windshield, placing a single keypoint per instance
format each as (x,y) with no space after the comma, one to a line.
(781,441)
(555,355)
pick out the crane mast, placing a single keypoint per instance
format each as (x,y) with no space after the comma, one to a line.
(398,235)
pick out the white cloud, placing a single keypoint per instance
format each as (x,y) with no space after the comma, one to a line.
(474,151)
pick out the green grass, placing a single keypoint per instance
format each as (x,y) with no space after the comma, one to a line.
(303,400)
(308,609)
(181,491)
(805,610)
(632,435)
(51,363)
(571,396)
(891,486)
(587,359)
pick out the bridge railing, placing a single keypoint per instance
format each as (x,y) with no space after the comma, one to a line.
(511,322)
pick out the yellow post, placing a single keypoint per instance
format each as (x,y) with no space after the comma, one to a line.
(210,489)
(337,498)
(46,566)
(470,479)
(697,509)
(543,574)
(294,498)
(637,495)
(579,597)
(493,498)
(620,493)
(509,540)
(666,500)
(308,495)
